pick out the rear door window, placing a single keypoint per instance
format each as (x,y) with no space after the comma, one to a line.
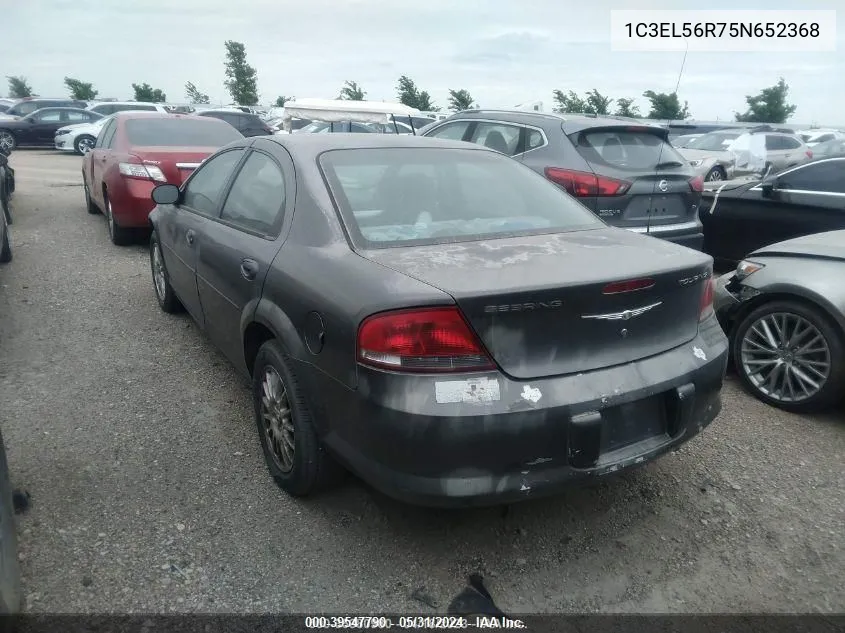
(48,116)
(257,197)
(790,143)
(500,137)
(104,135)
(625,149)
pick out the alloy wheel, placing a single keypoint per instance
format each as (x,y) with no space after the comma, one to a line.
(7,141)
(109,217)
(158,273)
(277,418)
(715,175)
(785,357)
(85,145)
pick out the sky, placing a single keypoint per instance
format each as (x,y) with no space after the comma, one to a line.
(505,52)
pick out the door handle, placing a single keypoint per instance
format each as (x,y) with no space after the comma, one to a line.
(189,235)
(249,269)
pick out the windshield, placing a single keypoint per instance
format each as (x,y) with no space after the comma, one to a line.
(188,132)
(714,141)
(394,196)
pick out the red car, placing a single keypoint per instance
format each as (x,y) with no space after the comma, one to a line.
(134,152)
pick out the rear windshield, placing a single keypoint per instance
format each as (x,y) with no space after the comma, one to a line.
(401,196)
(190,132)
(627,150)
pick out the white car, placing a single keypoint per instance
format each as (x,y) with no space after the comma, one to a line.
(818,135)
(80,137)
(111,107)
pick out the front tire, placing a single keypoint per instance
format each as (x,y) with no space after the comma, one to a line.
(4,202)
(6,247)
(10,574)
(92,208)
(717,174)
(167,300)
(84,144)
(790,355)
(297,460)
(119,236)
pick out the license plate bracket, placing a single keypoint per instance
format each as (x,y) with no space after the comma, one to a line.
(632,422)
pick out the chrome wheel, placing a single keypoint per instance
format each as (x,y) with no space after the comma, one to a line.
(85,145)
(7,141)
(158,273)
(109,216)
(785,357)
(276,416)
(715,175)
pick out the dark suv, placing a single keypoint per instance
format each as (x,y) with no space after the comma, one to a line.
(245,123)
(626,173)
(27,106)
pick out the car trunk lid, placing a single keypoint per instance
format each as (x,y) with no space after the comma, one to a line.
(542,306)
(176,163)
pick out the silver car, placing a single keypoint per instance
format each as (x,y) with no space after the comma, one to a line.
(725,154)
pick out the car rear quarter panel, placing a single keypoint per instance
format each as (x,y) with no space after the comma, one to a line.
(815,280)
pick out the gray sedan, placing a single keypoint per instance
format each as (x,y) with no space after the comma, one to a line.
(784,312)
(436,316)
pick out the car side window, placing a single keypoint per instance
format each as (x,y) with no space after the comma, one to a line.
(48,116)
(202,191)
(534,139)
(78,117)
(108,142)
(101,137)
(500,137)
(256,200)
(773,142)
(790,143)
(827,176)
(452,131)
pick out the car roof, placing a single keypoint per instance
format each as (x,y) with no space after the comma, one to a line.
(145,114)
(63,109)
(319,143)
(98,103)
(570,122)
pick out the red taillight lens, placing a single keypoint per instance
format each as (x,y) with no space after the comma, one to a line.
(581,184)
(697,183)
(421,340)
(809,153)
(706,307)
(631,285)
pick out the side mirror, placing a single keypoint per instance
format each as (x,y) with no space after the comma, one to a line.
(768,189)
(166,194)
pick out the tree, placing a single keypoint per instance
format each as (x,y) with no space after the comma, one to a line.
(409,95)
(460,100)
(351,91)
(80,89)
(194,95)
(597,103)
(281,101)
(569,102)
(241,78)
(145,92)
(626,107)
(19,87)
(666,105)
(769,106)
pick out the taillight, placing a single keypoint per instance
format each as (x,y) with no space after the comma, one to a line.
(145,172)
(706,307)
(582,184)
(697,183)
(809,153)
(631,285)
(421,340)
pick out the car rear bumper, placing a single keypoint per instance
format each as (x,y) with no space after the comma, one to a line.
(408,437)
(132,207)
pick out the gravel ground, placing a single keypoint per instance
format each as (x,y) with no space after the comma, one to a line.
(136,441)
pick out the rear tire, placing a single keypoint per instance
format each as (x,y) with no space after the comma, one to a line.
(717,174)
(832,388)
(119,236)
(8,140)
(6,248)
(310,468)
(4,202)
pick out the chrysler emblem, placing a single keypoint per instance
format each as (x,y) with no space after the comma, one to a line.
(627,315)
(663,185)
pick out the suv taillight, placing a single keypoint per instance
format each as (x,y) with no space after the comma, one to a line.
(706,307)
(582,184)
(421,340)
(697,183)
(809,153)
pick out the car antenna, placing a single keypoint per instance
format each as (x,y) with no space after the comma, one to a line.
(662,145)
